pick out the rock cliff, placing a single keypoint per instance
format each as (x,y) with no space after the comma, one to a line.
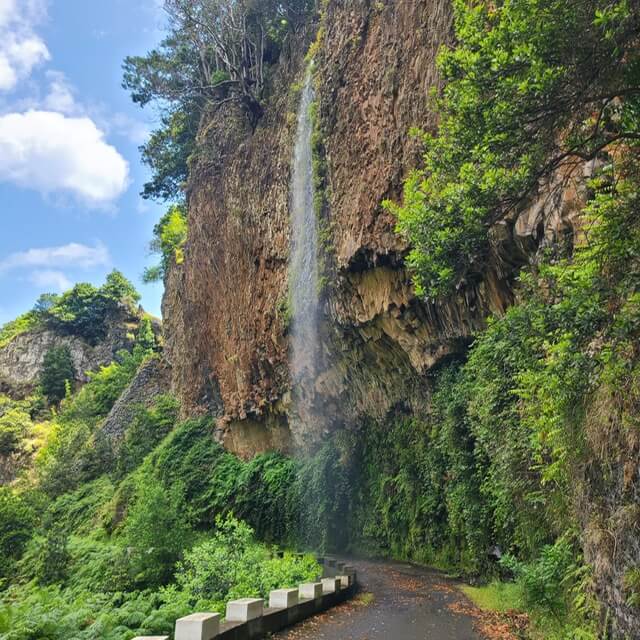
(21,359)
(225,307)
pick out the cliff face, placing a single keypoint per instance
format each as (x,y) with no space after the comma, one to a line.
(21,360)
(226,307)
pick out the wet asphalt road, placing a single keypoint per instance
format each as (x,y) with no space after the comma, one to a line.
(407,603)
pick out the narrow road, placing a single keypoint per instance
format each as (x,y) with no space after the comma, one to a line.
(397,602)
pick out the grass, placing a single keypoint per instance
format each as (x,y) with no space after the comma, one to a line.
(365,599)
(496,596)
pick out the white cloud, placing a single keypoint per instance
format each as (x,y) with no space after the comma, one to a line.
(21,49)
(51,152)
(74,254)
(49,140)
(50,280)
(61,96)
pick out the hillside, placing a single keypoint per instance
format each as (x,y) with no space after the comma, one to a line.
(401,268)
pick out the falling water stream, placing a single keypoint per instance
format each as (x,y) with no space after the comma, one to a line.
(303,270)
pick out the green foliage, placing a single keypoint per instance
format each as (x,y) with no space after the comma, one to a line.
(75,450)
(167,154)
(53,560)
(17,519)
(15,424)
(78,511)
(57,372)
(214,482)
(232,564)
(145,432)
(632,587)
(85,309)
(529,85)
(34,613)
(156,532)
(170,235)
(195,68)
(543,581)
(14,328)
(118,290)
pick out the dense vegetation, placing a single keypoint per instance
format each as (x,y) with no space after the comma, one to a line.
(530,87)
(83,311)
(528,434)
(109,541)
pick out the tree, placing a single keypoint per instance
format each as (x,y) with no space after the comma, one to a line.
(170,235)
(45,303)
(216,51)
(17,522)
(85,309)
(156,530)
(529,87)
(167,153)
(118,290)
(57,372)
(146,338)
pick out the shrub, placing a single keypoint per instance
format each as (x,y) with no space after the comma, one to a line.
(17,521)
(232,564)
(157,532)
(544,581)
(15,424)
(170,235)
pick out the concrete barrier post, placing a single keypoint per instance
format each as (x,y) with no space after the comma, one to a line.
(345,583)
(310,591)
(283,598)
(245,609)
(198,626)
(330,585)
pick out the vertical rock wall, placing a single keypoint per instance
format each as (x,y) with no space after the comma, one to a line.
(226,308)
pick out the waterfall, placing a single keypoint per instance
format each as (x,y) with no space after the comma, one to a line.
(303,271)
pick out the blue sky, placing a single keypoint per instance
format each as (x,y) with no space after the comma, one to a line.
(70,170)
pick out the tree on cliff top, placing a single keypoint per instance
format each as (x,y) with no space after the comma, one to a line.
(531,85)
(216,51)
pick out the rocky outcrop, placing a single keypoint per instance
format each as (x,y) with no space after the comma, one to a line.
(21,360)
(152,380)
(608,504)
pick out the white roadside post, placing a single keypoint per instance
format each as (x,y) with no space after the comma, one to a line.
(345,582)
(283,598)
(330,585)
(244,609)
(198,626)
(310,590)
